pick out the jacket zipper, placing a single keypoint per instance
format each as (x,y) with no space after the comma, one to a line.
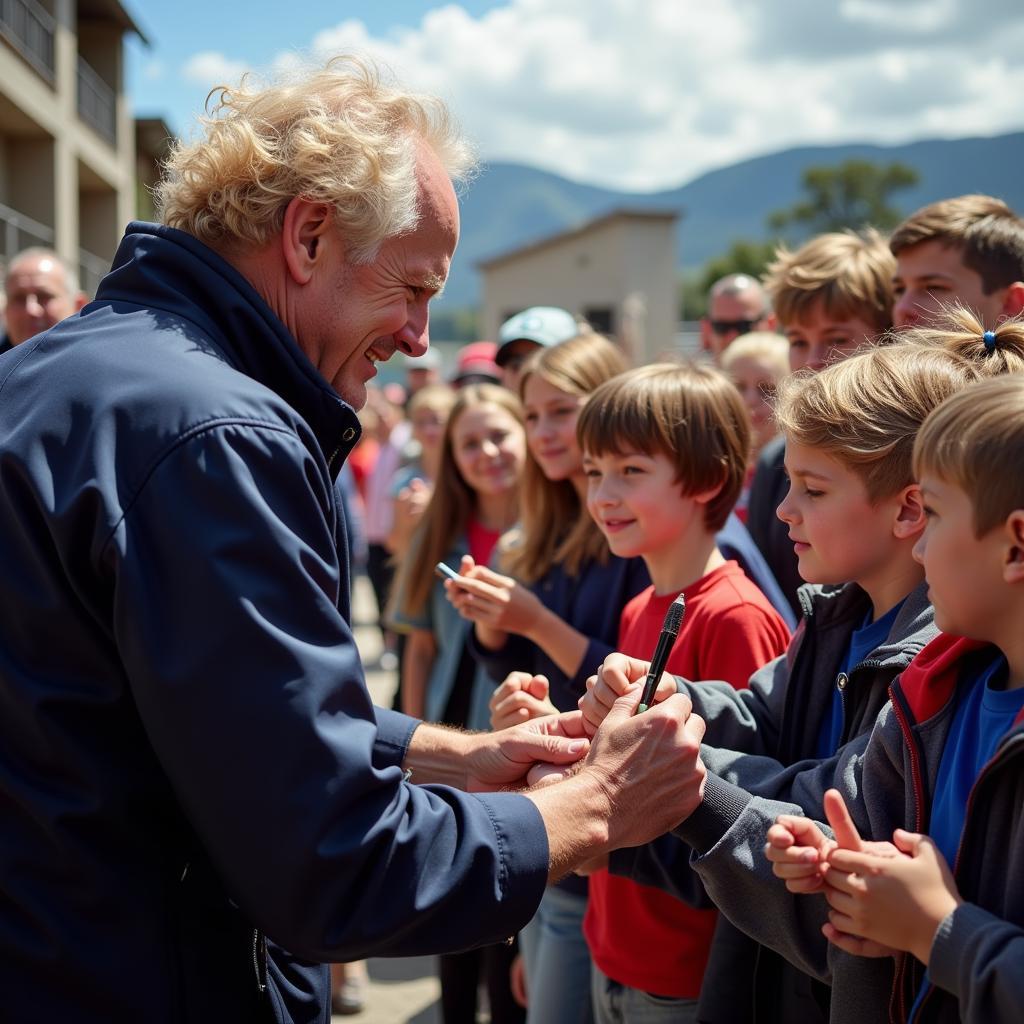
(259,944)
(1000,755)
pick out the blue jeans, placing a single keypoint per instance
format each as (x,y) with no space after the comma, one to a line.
(620,1004)
(557,961)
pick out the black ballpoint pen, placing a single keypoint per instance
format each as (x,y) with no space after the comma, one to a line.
(669,632)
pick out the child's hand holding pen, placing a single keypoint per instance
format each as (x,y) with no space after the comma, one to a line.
(617,675)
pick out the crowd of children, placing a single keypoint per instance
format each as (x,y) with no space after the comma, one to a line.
(854,854)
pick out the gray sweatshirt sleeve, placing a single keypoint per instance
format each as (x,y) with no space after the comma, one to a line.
(745,719)
(727,833)
(977,957)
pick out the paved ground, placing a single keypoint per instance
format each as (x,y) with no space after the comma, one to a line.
(401,991)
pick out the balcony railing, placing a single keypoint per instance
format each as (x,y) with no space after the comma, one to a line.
(91,270)
(18,232)
(97,102)
(30,30)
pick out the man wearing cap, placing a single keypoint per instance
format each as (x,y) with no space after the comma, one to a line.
(521,335)
(476,365)
(737,305)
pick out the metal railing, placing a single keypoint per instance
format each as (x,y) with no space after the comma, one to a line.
(97,102)
(30,30)
(20,232)
(91,270)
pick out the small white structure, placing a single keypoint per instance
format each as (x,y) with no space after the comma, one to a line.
(618,272)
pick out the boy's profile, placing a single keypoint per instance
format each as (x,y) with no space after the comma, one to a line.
(831,297)
(945,757)
(665,451)
(967,251)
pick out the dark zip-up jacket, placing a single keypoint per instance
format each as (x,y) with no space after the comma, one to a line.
(759,750)
(189,759)
(976,967)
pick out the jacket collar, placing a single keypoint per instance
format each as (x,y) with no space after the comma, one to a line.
(930,680)
(163,268)
(845,606)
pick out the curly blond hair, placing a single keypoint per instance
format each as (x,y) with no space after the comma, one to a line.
(336,135)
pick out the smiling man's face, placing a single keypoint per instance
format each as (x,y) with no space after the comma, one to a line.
(356,315)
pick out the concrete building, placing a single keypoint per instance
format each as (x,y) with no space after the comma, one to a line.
(67,148)
(618,271)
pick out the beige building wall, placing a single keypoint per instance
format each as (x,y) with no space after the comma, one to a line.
(622,265)
(67,151)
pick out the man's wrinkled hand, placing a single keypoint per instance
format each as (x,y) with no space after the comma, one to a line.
(502,760)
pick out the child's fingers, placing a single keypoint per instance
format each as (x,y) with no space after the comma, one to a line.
(804,831)
(838,816)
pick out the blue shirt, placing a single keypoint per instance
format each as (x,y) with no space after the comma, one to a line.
(863,641)
(984,714)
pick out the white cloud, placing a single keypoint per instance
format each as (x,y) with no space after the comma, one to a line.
(646,95)
(211,68)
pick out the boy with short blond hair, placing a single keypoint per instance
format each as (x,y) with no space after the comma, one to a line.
(967,250)
(854,514)
(665,451)
(832,296)
(945,756)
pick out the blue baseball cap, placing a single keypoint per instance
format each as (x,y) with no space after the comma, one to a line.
(543,325)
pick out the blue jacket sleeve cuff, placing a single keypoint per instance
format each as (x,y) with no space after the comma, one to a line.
(394,731)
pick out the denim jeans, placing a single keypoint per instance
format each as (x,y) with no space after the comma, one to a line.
(620,1004)
(557,961)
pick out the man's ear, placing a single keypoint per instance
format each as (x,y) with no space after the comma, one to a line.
(910,518)
(1013,564)
(304,234)
(1013,301)
(80,300)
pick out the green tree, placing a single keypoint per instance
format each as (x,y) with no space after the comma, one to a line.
(744,256)
(854,194)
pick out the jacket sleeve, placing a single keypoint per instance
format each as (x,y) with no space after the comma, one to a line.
(727,833)
(248,682)
(744,720)
(977,957)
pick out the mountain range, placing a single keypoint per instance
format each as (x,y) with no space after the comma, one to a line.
(509,205)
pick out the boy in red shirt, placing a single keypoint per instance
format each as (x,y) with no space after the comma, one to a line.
(665,451)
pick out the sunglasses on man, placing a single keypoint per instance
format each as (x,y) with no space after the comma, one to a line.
(721,327)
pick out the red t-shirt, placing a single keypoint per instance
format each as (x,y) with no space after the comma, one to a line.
(638,935)
(481,542)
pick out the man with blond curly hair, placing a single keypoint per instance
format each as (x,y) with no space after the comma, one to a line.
(193,780)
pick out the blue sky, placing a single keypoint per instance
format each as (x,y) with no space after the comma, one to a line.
(633,94)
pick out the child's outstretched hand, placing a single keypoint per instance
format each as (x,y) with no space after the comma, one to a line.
(888,896)
(798,851)
(520,697)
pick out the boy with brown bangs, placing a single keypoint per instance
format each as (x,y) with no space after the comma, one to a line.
(854,513)
(967,251)
(944,758)
(665,455)
(832,296)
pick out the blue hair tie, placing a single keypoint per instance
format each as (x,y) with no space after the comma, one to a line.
(989,337)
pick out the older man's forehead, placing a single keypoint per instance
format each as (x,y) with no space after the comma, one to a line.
(36,270)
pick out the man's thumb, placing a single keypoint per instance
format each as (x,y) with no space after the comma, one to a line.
(624,706)
(538,687)
(907,842)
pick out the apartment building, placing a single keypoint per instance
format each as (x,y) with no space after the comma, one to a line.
(67,146)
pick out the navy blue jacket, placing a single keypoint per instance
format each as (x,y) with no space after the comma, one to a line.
(189,760)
